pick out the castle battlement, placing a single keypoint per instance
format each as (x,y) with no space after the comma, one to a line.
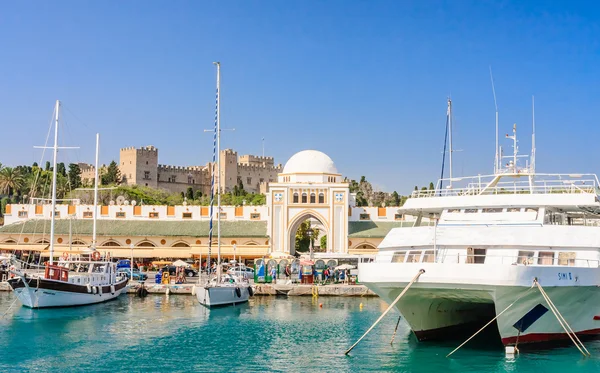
(164,167)
(139,166)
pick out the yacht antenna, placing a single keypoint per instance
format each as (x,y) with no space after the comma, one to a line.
(95,194)
(532,166)
(496,156)
(450,138)
(515,148)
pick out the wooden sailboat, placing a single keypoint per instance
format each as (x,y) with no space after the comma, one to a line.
(74,280)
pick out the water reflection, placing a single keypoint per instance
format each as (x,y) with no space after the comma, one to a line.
(175,332)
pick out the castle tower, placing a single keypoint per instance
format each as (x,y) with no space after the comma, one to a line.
(139,166)
(229,170)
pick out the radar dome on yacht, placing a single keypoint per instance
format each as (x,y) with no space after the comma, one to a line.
(310,162)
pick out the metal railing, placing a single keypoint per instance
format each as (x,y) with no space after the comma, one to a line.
(539,184)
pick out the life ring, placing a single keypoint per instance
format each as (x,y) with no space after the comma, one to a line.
(12,270)
(238,292)
(96,255)
(65,256)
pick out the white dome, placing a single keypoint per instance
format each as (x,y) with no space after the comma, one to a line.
(310,162)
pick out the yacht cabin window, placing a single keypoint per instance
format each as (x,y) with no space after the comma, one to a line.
(545,258)
(413,257)
(428,256)
(525,257)
(492,210)
(398,257)
(471,211)
(566,258)
(513,209)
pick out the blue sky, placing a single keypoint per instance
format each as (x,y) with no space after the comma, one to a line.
(364,81)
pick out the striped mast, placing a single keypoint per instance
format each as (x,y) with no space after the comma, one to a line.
(212,180)
(218,134)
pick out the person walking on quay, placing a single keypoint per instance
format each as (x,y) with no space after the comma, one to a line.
(273,274)
(288,271)
(326,274)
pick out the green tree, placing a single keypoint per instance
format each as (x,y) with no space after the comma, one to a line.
(396,198)
(10,180)
(303,239)
(324,243)
(431,187)
(416,188)
(47,166)
(60,168)
(74,176)
(189,193)
(112,174)
(198,195)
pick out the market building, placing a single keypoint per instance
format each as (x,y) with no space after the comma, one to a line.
(308,187)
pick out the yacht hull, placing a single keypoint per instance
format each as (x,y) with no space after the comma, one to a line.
(45,293)
(219,296)
(448,303)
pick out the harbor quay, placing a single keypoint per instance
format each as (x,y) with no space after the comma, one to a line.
(339,290)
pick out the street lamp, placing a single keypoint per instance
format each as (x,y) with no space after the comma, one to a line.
(310,233)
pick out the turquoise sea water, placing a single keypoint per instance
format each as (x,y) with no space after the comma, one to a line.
(176,334)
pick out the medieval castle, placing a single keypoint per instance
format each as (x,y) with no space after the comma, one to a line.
(139,166)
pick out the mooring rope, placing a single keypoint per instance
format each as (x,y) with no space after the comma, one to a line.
(491,321)
(396,330)
(421,271)
(562,321)
(9,307)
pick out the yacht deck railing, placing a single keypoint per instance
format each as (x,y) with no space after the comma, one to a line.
(519,184)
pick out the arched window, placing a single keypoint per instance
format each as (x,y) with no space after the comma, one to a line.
(304,198)
(321,198)
(181,244)
(295,197)
(110,243)
(313,198)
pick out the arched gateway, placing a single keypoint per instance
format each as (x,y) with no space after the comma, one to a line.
(309,187)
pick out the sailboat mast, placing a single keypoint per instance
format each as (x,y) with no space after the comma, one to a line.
(218,163)
(95,193)
(53,211)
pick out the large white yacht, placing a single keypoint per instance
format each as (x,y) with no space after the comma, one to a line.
(490,241)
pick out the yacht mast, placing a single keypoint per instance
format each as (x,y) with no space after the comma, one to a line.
(53,211)
(95,193)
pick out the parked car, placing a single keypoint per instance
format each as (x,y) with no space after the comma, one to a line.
(242,271)
(137,275)
(189,272)
(123,263)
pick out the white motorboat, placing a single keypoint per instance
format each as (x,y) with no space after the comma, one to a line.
(491,248)
(74,281)
(223,289)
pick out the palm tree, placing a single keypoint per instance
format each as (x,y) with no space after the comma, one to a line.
(10,179)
